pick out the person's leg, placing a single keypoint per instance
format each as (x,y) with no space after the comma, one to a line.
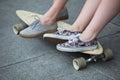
(85,15)
(80,24)
(50,16)
(106,11)
(46,22)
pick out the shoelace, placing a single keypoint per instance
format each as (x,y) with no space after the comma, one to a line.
(35,23)
(73,39)
(60,30)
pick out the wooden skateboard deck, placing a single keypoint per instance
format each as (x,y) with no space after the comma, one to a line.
(28,18)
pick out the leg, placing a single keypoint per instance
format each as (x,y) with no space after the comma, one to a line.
(106,11)
(85,16)
(81,23)
(50,16)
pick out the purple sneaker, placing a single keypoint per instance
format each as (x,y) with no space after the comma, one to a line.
(76,45)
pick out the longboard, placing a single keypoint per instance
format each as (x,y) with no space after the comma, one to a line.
(28,17)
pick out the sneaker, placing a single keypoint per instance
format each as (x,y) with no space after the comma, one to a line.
(61,34)
(61,16)
(76,45)
(36,29)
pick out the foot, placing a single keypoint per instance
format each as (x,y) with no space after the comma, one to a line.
(76,45)
(49,19)
(61,34)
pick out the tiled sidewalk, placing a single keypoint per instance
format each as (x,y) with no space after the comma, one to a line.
(36,59)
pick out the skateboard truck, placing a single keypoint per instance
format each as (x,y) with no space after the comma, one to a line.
(81,62)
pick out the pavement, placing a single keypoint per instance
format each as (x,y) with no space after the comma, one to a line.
(36,59)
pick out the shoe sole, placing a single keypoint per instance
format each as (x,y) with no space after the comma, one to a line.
(55,36)
(75,49)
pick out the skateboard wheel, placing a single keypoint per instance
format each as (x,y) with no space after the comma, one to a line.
(79,63)
(17,28)
(108,55)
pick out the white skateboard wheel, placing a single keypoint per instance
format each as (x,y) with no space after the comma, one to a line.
(17,28)
(79,63)
(108,54)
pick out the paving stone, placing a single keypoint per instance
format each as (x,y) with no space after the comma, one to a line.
(36,59)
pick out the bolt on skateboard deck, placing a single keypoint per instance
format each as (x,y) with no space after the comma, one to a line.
(78,63)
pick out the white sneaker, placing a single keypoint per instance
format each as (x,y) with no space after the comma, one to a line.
(61,34)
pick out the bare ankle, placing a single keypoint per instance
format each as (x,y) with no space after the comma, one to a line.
(87,37)
(45,20)
(49,18)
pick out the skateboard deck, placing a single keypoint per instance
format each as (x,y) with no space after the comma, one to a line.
(28,17)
